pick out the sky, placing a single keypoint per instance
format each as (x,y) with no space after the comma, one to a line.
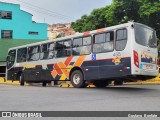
(59,11)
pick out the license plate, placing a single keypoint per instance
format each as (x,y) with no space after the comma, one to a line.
(148,67)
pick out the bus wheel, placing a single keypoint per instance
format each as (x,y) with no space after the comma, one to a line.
(101,84)
(21,80)
(77,79)
(118,82)
(44,84)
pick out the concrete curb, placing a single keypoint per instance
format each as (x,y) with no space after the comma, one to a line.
(9,82)
(143,83)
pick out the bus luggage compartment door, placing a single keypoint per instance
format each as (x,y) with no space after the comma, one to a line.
(108,69)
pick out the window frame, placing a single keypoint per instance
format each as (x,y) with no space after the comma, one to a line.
(69,39)
(148,28)
(49,50)
(82,44)
(68,47)
(76,38)
(7,16)
(85,37)
(121,39)
(43,51)
(26,55)
(11,34)
(105,41)
(33,33)
(33,53)
(11,63)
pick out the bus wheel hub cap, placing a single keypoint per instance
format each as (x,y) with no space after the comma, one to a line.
(76,79)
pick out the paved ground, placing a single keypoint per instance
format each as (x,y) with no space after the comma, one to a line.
(37,98)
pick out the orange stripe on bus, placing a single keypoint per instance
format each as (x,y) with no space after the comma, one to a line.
(54,73)
(57,68)
(62,65)
(64,69)
(79,61)
(100,30)
(68,60)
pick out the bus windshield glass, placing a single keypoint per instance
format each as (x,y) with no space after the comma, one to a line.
(145,36)
(11,58)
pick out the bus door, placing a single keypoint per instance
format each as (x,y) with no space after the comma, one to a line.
(120,52)
(10,62)
(114,66)
(104,46)
(31,73)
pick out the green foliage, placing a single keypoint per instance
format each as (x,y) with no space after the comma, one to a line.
(91,22)
(121,11)
(150,14)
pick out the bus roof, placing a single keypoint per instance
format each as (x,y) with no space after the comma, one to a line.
(80,34)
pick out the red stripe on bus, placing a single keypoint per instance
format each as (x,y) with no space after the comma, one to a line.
(102,59)
(68,60)
(57,68)
(86,33)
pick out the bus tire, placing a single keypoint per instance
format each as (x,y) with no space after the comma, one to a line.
(101,84)
(44,84)
(77,79)
(21,80)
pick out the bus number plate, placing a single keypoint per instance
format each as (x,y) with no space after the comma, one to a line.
(148,67)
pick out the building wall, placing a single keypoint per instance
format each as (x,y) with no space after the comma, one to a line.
(21,23)
(60,30)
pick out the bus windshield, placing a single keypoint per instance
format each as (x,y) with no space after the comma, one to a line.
(145,36)
(11,58)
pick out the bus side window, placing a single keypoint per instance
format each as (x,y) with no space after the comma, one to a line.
(63,48)
(21,55)
(108,45)
(86,49)
(67,48)
(11,58)
(50,50)
(77,44)
(33,53)
(99,41)
(44,52)
(82,46)
(59,49)
(121,39)
(103,42)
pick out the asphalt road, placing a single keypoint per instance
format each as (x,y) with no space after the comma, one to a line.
(123,98)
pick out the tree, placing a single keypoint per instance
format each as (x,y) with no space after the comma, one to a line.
(93,21)
(125,10)
(121,11)
(150,12)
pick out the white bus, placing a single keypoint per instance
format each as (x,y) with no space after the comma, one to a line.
(118,53)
